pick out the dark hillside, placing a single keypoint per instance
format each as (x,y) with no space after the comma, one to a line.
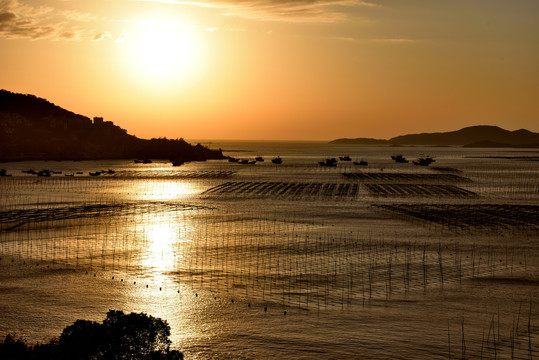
(32,128)
(469,135)
(473,136)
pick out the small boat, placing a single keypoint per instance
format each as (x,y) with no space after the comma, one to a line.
(143,161)
(69,174)
(3,172)
(277,160)
(109,171)
(424,161)
(233,160)
(259,158)
(45,173)
(177,163)
(79,172)
(361,163)
(331,162)
(345,158)
(97,173)
(398,158)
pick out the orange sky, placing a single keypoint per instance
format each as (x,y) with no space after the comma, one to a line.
(278,69)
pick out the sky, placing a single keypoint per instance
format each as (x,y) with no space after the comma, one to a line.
(278,69)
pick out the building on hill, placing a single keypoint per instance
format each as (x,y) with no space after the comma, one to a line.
(98,120)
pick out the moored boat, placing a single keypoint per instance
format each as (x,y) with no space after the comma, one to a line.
(277,160)
(399,158)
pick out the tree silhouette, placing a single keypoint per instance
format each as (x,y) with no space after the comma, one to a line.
(134,336)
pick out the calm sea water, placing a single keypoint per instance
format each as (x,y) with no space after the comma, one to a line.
(294,261)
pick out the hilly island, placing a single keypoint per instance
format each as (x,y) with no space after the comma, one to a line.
(474,136)
(32,128)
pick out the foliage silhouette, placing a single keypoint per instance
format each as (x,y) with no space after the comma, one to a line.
(120,337)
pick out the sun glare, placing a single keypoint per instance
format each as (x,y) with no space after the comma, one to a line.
(165,51)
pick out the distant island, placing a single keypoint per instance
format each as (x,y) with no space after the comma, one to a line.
(31,128)
(481,136)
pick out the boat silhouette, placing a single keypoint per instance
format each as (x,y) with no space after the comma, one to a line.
(277,160)
(398,158)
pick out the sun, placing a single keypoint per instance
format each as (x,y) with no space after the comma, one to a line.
(165,51)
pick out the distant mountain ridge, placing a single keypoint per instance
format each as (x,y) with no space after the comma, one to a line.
(32,128)
(473,136)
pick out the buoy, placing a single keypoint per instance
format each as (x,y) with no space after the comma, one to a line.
(265,308)
(94,275)
(284,313)
(196,294)
(134,282)
(146,286)
(113,278)
(159,289)
(249,304)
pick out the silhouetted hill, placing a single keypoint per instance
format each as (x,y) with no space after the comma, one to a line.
(476,136)
(360,141)
(469,135)
(32,128)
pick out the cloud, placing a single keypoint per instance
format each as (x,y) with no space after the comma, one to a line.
(6,17)
(344,38)
(102,36)
(394,41)
(280,10)
(122,38)
(78,16)
(23,21)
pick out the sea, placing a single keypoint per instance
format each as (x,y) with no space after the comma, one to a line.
(291,260)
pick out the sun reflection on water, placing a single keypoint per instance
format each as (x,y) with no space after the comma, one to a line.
(161,250)
(163,190)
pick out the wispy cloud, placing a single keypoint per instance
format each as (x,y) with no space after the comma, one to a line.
(23,21)
(280,10)
(102,36)
(394,41)
(344,38)
(122,38)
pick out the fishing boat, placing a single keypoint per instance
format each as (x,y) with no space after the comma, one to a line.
(143,161)
(361,163)
(330,162)
(345,158)
(277,160)
(259,158)
(398,158)
(424,161)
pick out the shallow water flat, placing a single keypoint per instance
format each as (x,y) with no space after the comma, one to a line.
(289,261)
